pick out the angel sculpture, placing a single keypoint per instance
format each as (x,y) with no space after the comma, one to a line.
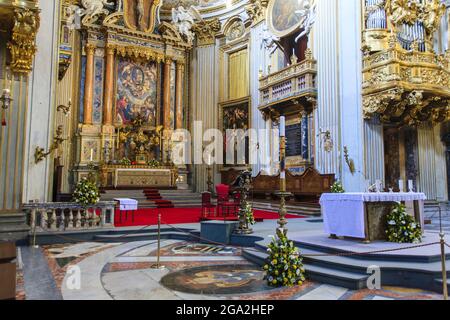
(269,41)
(309,17)
(184,19)
(74,14)
(91,10)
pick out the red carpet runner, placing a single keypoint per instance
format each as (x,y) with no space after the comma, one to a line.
(155,196)
(144,217)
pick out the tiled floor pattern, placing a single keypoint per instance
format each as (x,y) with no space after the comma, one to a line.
(126,271)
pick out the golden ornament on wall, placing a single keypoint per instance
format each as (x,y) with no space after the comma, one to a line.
(22,45)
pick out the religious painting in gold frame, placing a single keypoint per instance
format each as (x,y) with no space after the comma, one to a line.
(235,115)
(141,14)
(283,16)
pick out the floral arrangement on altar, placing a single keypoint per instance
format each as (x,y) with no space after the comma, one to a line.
(249,217)
(284,265)
(86,193)
(337,187)
(401,227)
(125,162)
(154,163)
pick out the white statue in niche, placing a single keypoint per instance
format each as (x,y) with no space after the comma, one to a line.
(184,19)
(309,17)
(91,10)
(269,41)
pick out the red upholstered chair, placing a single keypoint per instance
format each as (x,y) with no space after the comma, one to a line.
(224,205)
(207,206)
(223,191)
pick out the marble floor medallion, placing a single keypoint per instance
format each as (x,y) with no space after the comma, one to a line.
(220,279)
(201,249)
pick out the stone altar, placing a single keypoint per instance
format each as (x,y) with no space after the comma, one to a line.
(138,176)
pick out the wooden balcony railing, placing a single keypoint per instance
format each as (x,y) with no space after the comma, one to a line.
(291,83)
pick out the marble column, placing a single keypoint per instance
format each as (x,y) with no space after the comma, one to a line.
(204,101)
(441,165)
(166,107)
(109,87)
(427,163)
(350,93)
(327,115)
(89,84)
(259,62)
(179,96)
(374,151)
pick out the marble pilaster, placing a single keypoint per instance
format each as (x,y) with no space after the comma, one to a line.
(259,61)
(374,151)
(37,182)
(204,75)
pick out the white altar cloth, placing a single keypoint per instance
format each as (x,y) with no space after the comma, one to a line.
(126,204)
(343,213)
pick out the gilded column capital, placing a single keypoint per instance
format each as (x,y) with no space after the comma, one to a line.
(23,41)
(206,31)
(90,48)
(256,10)
(110,49)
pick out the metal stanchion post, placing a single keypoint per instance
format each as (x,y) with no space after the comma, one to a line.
(158,254)
(159,240)
(34,236)
(443,257)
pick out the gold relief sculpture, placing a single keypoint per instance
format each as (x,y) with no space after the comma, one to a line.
(22,45)
(256,10)
(206,31)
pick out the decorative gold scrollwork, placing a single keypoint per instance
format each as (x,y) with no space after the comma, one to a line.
(22,45)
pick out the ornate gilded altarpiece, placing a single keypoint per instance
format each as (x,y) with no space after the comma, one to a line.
(132,87)
(404,80)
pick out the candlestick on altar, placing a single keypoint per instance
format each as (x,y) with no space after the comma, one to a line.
(92,155)
(283,194)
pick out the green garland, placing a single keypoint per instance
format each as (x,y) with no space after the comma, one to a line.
(86,193)
(337,187)
(401,227)
(249,217)
(284,265)
(125,162)
(154,163)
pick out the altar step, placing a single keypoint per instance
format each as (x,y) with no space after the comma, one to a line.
(319,273)
(351,271)
(179,198)
(297,208)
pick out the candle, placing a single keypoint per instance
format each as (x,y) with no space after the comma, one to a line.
(410,186)
(282,126)
(92,155)
(378,185)
(401,185)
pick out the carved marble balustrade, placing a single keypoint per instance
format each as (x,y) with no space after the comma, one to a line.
(64,216)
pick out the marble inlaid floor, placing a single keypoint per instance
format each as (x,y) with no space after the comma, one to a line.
(126,271)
